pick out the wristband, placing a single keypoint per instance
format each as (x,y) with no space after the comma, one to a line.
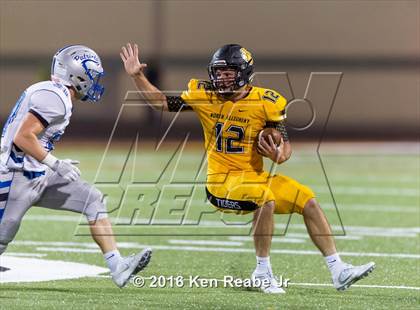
(49,160)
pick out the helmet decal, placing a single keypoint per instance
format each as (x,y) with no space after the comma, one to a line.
(86,57)
(246,55)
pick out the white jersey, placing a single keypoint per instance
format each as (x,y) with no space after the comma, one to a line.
(51,103)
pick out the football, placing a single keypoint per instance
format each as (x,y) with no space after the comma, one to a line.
(275,135)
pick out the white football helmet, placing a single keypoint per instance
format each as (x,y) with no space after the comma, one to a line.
(80,67)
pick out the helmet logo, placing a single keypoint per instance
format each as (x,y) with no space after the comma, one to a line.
(86,57)
(246,55)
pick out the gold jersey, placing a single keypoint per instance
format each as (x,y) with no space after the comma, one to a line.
(231,128)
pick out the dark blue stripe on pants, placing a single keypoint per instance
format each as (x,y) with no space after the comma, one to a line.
(5,184)
(3,197)
(3,200)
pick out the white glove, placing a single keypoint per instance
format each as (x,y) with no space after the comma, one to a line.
(65,168)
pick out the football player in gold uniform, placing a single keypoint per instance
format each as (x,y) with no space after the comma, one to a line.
(232,113)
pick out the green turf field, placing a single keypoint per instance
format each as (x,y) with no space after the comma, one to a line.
(158,200)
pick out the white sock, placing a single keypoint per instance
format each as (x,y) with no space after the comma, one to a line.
(112,258)
(263,264)
(334,263)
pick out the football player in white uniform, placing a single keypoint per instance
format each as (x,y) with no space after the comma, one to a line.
(31,175)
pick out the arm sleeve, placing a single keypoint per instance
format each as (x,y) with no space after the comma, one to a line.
(47,107)
(176,103)
(280,126)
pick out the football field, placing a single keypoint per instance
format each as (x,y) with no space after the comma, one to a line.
(157,199)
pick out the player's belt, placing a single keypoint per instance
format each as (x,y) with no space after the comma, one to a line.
(230,204)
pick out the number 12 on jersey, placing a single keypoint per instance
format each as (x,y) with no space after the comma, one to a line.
(238,133)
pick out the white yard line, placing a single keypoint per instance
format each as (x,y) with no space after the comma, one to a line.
(352,231)
(362,191)
(359,285)
(24,254)
(372,208)
(400,287)
(55,243)
(230,250)
(67,250)
(284,239)
(305,235)
(213,223)
(350,175)
(54,218)
(205,242)
(364,148)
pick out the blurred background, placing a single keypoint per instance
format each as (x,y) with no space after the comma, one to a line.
(372,45)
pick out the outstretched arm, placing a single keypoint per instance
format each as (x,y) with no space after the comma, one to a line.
(130,56)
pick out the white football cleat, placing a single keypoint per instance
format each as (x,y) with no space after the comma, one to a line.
(129,266)
(267,282)
(351,274)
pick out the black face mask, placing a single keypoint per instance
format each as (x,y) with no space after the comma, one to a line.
(225,88)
